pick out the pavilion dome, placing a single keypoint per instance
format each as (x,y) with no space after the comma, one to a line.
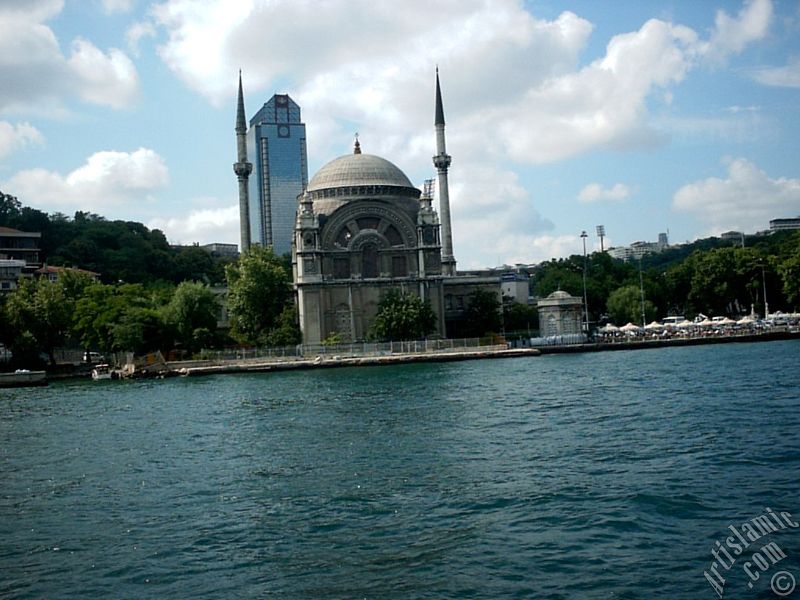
(559,295)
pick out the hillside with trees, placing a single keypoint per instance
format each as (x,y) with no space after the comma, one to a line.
(120,251)
(710,276)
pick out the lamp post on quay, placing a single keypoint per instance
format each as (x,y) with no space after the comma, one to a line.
(585,297)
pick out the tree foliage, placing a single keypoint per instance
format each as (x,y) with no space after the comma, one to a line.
(483,314)
(123,318)
(258,290)
(192,314)
(402,316)
(286,331)
(120,251)
(625,305)
(39,312)
(520,317)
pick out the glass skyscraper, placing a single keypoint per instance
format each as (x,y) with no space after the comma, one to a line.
(276,146)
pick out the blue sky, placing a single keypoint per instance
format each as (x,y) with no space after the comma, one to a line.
(642,116)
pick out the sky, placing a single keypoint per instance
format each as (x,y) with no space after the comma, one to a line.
(643,116)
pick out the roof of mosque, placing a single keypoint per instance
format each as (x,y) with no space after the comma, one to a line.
(358,170)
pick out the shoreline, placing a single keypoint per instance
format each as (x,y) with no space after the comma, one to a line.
(328,362)
(262,365)
(660,343)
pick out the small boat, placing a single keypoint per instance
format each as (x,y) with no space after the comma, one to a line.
(23,378)
(103,371)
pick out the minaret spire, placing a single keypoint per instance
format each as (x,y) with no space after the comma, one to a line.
(442,161)
(439,109)
(242,168)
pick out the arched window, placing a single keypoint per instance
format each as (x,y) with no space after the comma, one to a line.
(393,236)
(369,261)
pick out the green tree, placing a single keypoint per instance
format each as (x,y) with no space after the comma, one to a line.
(9,209)
(625,305)
(96,312)
(122,318)
(789,271)
(192,313)
(483,314)
(286,332)
(258,291)
(520,317)
(402,316)
(43,310)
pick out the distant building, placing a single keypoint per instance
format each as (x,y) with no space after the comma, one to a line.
(10,272)
(639,249)
(620,252)
(222,250)
(784,224)
(274,173)
(731,235)
(560,314)
(515,286)
(55,273)
(514,281)
(21,245)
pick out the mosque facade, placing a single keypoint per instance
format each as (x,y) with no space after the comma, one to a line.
(361,229)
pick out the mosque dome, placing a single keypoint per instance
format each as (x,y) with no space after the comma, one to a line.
(360,176)
(359,170)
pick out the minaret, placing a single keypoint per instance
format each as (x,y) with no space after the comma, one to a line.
(442,161)
(242,168)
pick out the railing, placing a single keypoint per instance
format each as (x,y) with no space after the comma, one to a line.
(355,349)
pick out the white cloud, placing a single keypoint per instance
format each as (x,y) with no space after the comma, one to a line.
(595,192)
(204,226)
(732,34)
(521,249)
(17,136)
(601,105)
(520,93)
(113,184)
(745,201)
(515,88)
(788,76)
(493,217)
(104,78)
(37,76)
(34,10)
(114,6)
(137,32)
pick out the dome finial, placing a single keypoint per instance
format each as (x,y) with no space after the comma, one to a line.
(356,146)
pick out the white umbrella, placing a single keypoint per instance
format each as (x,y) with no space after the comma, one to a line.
(706,322)
(727,321)
(653,326)
(629,327)
(746,321)
(609,328)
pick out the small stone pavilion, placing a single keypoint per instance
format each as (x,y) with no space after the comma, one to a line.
(560,314)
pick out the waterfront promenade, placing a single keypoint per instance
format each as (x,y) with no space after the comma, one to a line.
(245,365)
(371,354)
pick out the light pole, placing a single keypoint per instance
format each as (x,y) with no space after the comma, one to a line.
(641,289)
(764,283)
(601,233)
(585,297)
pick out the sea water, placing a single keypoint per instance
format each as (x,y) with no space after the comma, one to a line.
(602,475)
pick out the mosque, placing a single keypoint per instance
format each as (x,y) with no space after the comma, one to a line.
(362,228)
